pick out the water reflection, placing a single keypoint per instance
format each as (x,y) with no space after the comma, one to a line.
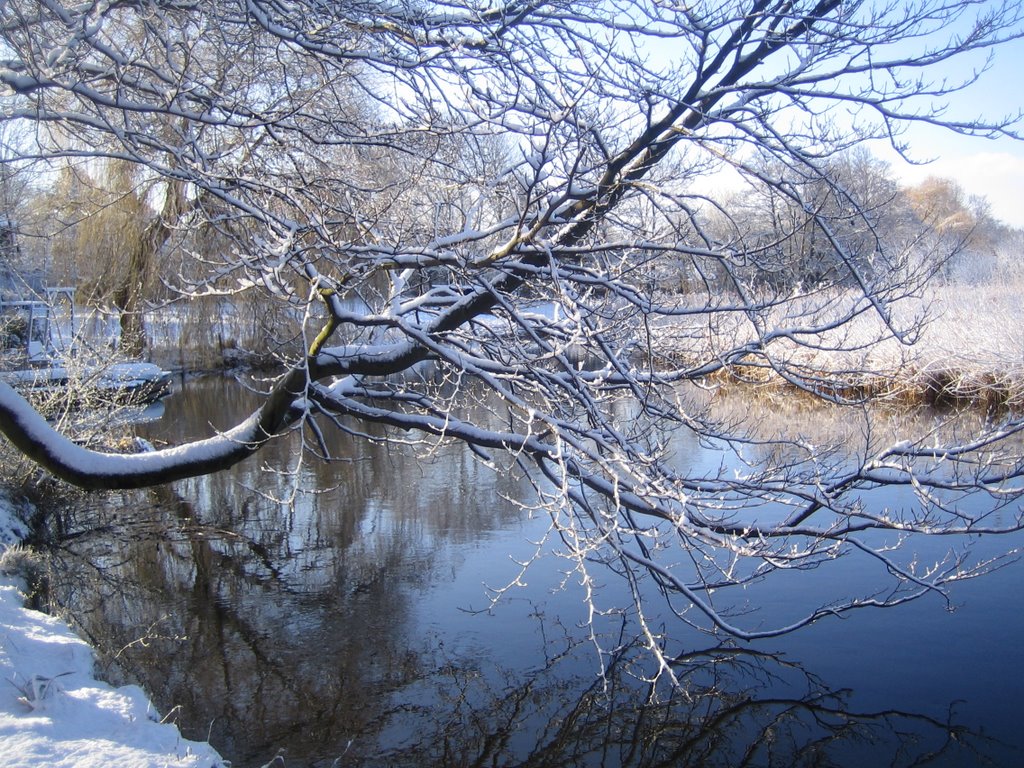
(319,613)
(734,707)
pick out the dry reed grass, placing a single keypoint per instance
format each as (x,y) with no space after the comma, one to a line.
(969,350)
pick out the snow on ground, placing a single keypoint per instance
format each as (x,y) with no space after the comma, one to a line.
(53,712)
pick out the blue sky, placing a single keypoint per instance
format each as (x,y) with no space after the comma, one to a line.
(993,168)
(990,168)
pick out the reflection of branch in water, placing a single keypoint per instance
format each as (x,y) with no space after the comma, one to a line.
(733,707)
(309,664)
(268,661)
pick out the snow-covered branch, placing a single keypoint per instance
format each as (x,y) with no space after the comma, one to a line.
(503,226)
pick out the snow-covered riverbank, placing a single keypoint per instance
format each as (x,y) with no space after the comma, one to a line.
(53,711)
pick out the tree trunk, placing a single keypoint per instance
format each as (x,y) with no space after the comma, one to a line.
(130,296)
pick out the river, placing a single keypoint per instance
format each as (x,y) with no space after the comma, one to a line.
(351,619)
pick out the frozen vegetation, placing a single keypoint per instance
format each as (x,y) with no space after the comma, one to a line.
(968,347)
(396,196)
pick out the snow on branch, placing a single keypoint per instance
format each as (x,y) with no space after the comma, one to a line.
(30,433)
(33,436)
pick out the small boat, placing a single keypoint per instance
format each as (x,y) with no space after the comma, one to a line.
(38,356)
(134,382)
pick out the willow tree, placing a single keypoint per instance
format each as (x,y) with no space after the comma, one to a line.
(108,235)
(504,208)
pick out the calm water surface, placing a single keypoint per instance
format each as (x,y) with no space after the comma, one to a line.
(347,620)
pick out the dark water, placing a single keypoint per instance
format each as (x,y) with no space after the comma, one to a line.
(346,619)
